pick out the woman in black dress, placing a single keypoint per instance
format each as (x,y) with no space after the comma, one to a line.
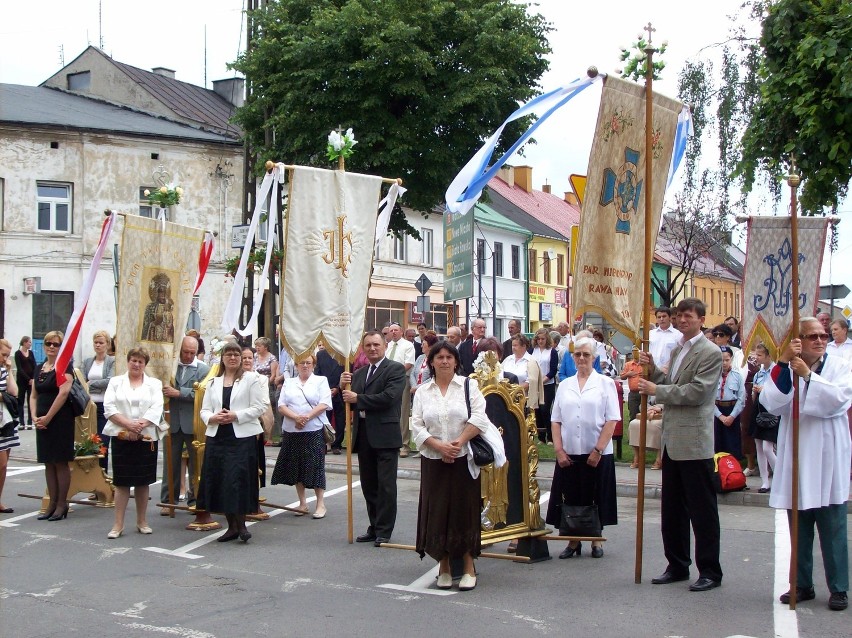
(233,403)
(25,364)
(54,423)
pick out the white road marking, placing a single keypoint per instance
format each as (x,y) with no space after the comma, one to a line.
(134,611)
(15,471)
(185,550)
(5,593)
(784,618)
(10,522)
(184,632)
(50,593)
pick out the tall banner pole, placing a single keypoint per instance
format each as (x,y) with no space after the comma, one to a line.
(646,296)
(348,440)
(793,180)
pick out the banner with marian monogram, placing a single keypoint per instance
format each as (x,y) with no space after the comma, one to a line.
(767,283)
(328,259)
(610,257)
(157,272)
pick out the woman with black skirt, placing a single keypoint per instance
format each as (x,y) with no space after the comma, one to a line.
(448,515)
(585,411)
(233,403)
(133,407)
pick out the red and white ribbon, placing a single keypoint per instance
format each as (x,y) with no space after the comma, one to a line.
(203,260)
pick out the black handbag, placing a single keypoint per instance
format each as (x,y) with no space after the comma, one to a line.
(766,421)
(78,397)
(11,403)
(482,452)
(580,520)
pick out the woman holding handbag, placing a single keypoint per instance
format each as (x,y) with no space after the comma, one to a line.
(585,411)
(302,405)
(133,406)
(763,426)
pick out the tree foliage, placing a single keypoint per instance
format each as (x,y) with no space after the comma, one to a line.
(422,83)
(804,104)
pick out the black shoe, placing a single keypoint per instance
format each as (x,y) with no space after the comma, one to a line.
(336,450)
(802,594)
(704,584)
(245,535)
(369,537)
(667,577)
(58,516)
(569,551)
(597,551)
(45,516)
(838,601)
(379,540)
(224,538)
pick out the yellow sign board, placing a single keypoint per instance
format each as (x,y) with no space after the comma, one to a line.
(578,183)
(846,312)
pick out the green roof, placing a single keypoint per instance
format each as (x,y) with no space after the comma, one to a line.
(487,216)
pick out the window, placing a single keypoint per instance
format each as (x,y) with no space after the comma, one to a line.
(560,270)
(428,246)
(546,266)
(54,206)
(381,311)
(480,256)
(533,265)
(498,260)
(399,248)
(79,81)
(516,262)
(145,208)
(51,311)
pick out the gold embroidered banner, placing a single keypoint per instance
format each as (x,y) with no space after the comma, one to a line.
(328,258)
(158,268)
(610,257)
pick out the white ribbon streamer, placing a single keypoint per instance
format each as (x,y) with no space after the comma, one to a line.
(388,202)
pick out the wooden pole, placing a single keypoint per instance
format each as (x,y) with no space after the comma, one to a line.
(793,180)
(646,297)
(348,439)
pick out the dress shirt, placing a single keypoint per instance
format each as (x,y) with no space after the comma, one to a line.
(582,414)
(731,388)
(401,351)
(686,346)
(304,397)
(96,372)
(844,349)
(518,367)
(662,344)
(542,357)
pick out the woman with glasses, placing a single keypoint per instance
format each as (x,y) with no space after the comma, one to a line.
(301,461)
(585,412)
(233,403)
(54,422)
(547,358)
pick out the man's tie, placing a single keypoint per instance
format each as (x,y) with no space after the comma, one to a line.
(370,375)
(393,351)
(181,372)
(475,344)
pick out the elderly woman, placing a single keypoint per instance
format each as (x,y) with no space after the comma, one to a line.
(584,414)
(266,363)
(233,403)
(448,412)
(98,371)
(133,406)
(10,439)
(54,423)
(547,358)
(301,461)
(420,373)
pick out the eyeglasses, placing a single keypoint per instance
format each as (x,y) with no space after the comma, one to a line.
(816,336)
(582,355)
(306,363)
(232,354)
(51,344)
(719,334)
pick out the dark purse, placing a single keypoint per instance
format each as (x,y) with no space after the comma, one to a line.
(78,397)
(11,407)
(482,452)
(580,520)
(766,421)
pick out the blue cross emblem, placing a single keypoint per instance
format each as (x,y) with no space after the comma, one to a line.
(624,188)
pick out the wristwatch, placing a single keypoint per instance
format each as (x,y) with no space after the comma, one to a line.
(600,452)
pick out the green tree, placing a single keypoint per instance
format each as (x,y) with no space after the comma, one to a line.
(422,83)
(803,108)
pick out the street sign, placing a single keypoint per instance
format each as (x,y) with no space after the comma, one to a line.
(846,312)
(423,304)
(458,256)
(423,284)
(836,291)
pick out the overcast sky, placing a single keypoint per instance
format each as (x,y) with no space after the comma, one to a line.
(34,36)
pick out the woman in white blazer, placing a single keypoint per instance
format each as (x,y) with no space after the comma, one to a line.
(233,403)
(133,407)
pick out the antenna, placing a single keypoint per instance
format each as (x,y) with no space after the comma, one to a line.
(61,55)
(205,56)
(100,24)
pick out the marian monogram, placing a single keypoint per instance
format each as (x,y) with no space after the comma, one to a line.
(779,283)
(338,254)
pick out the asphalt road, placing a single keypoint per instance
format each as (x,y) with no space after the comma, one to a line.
(299,576)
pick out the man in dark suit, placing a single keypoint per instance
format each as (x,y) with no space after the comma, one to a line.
(687,391)
(181,398)
(376,397)
(514,329)
(330,369)
(468,349)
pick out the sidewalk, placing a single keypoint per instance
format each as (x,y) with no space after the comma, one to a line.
(409,468)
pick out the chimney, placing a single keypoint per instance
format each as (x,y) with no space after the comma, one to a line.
(545,188)
(161,70)
(572,198)
(232,90)
(507,174)
(523,178)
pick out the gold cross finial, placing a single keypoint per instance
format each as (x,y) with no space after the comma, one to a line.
(650,31)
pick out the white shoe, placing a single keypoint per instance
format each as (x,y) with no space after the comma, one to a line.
(115,533)
(144,529)
(445,581)
(467,582)
(749,472)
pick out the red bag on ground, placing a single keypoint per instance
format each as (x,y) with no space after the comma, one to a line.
(729,475)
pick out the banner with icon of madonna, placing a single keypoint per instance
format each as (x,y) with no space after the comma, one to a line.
(767,315)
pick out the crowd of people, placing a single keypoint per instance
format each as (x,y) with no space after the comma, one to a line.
(410,394)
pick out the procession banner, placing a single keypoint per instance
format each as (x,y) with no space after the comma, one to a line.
(158,270)
(328,258)
(611,252)
(767,285)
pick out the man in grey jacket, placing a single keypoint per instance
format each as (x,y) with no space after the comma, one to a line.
(181,398)
(688,390)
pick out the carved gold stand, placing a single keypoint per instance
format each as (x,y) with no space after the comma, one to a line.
(203,520)
(87,476)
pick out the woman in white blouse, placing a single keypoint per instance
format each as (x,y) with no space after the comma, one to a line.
(521,363)
(133,406)
(548,361)
(98,371)
(448,518)
(584,414)
(233,403)
(301,462)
